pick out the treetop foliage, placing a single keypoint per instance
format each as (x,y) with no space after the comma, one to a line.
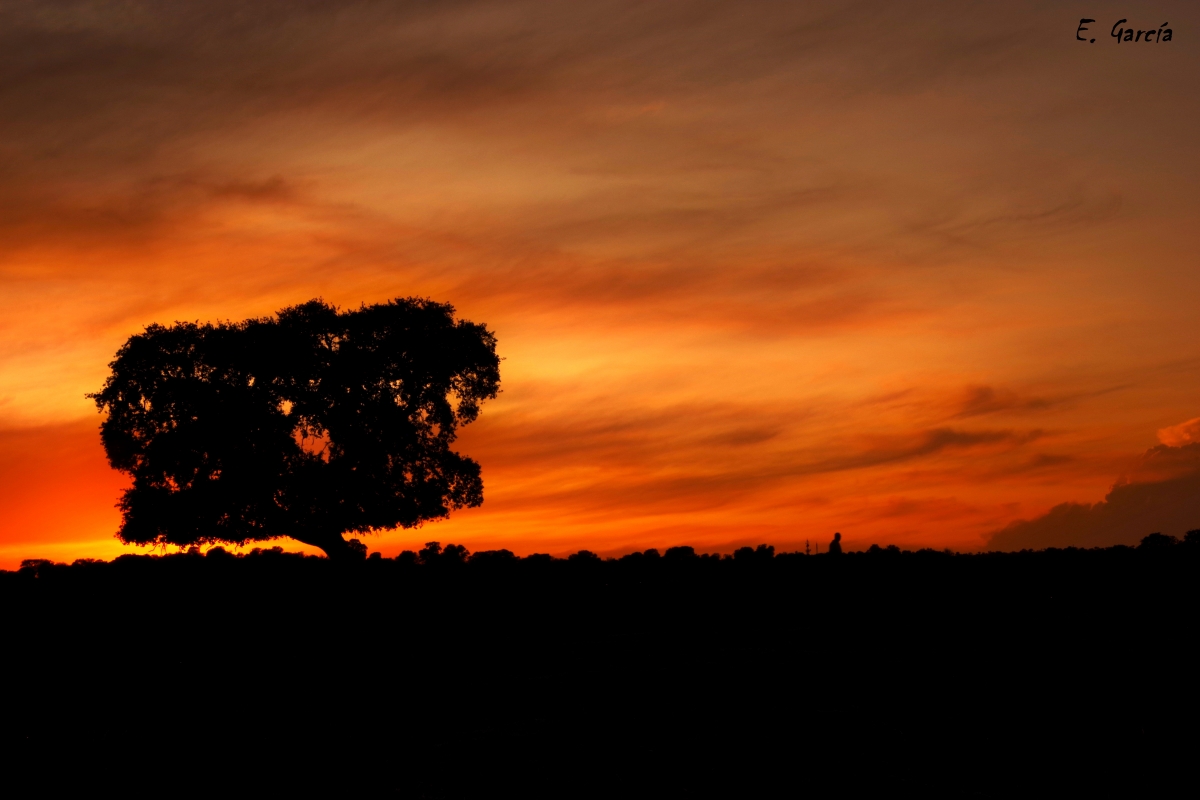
(308,424)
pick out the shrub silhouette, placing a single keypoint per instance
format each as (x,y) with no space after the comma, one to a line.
(1157,541)
(680,553)
(309,424)
(433,554)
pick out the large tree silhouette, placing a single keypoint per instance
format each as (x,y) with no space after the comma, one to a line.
(309,424)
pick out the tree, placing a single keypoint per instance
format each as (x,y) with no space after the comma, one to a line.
(309,424)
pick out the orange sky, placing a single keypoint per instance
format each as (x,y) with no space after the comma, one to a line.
(759,271)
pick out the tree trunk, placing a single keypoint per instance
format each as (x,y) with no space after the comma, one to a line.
(336,548)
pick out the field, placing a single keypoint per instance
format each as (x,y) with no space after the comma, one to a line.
(443,674)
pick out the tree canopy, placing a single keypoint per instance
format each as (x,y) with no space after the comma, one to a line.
(310,424)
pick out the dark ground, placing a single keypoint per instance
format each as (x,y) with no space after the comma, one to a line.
(1066,672)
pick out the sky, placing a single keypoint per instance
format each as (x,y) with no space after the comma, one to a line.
(920,273)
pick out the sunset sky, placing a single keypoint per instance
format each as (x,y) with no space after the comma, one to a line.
(759,271)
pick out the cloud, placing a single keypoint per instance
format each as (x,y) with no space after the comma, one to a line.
(1163,496)
(977,400)
(892,449)
(1182,434)
(139,210)
(596,461)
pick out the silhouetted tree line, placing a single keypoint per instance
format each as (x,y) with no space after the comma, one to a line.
(436,558)
(445,673)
